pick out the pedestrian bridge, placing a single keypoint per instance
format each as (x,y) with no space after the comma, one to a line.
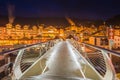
(63,60)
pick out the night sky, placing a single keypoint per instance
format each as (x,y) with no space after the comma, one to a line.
(87,9)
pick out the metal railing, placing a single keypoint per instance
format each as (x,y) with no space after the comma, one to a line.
(28,56)
(98,57)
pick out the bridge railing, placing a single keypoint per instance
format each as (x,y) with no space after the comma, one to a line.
(28,55)
(98,57)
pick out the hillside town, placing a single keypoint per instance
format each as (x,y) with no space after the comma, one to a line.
(17,34)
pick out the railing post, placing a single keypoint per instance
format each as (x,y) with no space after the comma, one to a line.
(16,67)
(108,65)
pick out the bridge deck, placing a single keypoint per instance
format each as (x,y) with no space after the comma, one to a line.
(51,77)
(62,64)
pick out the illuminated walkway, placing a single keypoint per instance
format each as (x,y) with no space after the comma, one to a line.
(62,60)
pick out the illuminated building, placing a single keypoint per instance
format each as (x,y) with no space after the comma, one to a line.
(17,34)
(116,38)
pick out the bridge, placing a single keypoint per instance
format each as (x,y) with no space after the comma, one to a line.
(63,60)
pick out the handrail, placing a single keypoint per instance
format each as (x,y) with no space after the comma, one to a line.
(117,54)
(24,63)
(106,64)
(17,49)
(101,48)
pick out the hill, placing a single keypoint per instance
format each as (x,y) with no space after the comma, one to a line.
(115,20)
(58,21)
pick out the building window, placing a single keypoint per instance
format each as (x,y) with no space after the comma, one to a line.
(104,41)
